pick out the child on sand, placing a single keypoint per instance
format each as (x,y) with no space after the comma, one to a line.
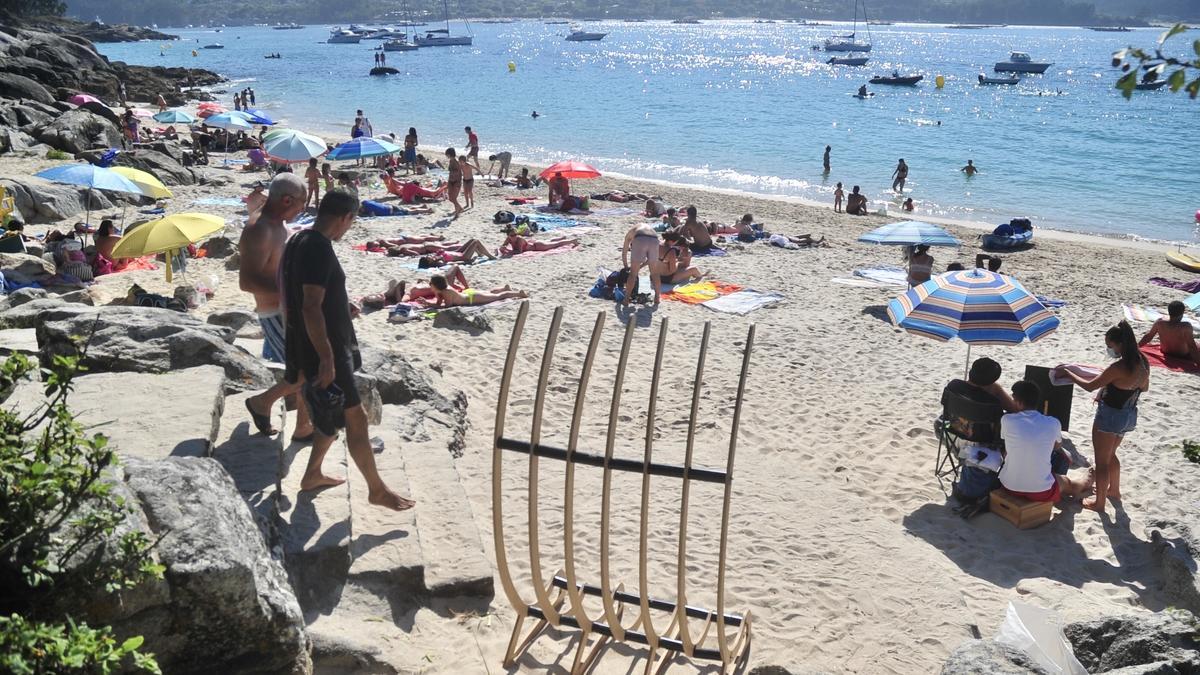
(327,176)
(838,193)
(449,297)
(313,176)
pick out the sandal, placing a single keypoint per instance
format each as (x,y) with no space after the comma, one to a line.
(261,422)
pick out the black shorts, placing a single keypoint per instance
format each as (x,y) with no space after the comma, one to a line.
(697,248)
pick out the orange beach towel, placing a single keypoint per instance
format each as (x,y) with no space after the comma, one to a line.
(700,291)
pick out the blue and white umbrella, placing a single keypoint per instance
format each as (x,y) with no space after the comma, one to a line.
(229,120)
(910,233)
(91,177)
(174,117)
(976,306)
(253,116)
(363,146)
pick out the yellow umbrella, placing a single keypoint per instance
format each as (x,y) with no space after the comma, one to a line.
(150,186)
(167,235)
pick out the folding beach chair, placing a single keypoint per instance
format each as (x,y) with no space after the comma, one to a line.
(1056,399)
(963,421)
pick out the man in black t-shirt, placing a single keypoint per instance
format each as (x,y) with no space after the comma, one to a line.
(322,346)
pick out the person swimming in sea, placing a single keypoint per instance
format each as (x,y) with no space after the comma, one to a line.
(535,115)
(970,169)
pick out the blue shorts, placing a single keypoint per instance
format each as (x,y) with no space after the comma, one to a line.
(1117,421)
(273,336)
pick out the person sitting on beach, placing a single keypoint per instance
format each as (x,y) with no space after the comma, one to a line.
(993,262)
(981,386)
(106,238)
(654,208)
(345,182)
(675,260)
(920,264)
(746,233)
(1031,440)
(450,297)
(525,181)
(560,189)
(671,220)
(515,244)
(856,203)
(1174,334)
(697,233)
(255,201)
(170,133)
(908,205)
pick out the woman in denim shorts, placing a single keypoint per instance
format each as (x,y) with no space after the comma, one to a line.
(1121,384)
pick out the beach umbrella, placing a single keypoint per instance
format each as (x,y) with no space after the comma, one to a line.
(148,183)
(167,235)
(572,169)
(91,177)
(1193,302)
(229,121)
(363,146)
(910,233)
(80,99)
(258,117)
(287,145)
(976,306)
(174,117)
(141,113)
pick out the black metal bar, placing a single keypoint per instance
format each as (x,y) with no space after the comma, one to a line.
(661,605)
(706,654)
(617,463)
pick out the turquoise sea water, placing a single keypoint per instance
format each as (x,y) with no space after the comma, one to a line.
(751,107)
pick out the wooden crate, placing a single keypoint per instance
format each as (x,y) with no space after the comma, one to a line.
(1019,511)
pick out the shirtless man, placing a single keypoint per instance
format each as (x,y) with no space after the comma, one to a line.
(699,239)
(1174,334)
(261,249)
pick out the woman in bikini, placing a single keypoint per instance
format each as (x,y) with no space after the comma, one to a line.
(515,244)
(1121,385)
(468,181)
(466,252)
(455,182)
(675,261)
(327,176)
(920,264)
(449,297)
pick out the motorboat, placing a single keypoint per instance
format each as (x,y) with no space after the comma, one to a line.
(1020,62)
(897,79)
(984,79)
(848,61)
(579,35)
(399,45)
(287,26)
(686,21)
(1109,29)
(556,22)
(343,37)
(215,45)
(1150,86)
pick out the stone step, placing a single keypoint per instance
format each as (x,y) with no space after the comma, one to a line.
(314,526)
(18,341)
(384,547)
(455,563)
(175,414)
(252,459)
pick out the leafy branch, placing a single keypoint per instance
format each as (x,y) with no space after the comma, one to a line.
(1148,67)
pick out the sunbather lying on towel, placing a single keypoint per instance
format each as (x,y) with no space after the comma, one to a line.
(411,192)
(472,251)
(622,197)
(1174,334)
(514,243)
(431,247)
(373,208)
(450,297)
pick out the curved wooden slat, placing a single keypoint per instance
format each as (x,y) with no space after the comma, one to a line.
(540,588)
(646,621)
(506,582)
(606,595)
(681,571)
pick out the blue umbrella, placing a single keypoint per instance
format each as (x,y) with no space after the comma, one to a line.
(91,177)
(174,117)
(1193,302)
(229,120)
(910,233)
(257,116)
(363,146)
(976,306)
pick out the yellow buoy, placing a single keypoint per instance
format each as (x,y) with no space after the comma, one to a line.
(940,81)
(512,67)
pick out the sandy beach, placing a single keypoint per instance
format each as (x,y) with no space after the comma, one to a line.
(841,542)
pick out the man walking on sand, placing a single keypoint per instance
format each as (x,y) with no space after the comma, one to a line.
(472,145)
(322,349)
(260,250)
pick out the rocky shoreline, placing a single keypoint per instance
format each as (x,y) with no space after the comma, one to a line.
(95,31)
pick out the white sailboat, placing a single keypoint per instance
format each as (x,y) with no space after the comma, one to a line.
(441,37)
(849,43)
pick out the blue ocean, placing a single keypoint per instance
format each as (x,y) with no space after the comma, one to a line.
(751,107)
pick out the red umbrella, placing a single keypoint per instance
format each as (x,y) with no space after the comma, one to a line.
(80,99)
(571,169)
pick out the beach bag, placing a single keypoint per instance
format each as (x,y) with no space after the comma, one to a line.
(504,218)
(975,483)
(616,284)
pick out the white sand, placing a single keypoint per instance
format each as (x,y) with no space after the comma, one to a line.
(840,540)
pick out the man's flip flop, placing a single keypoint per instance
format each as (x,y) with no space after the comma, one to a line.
(261,422)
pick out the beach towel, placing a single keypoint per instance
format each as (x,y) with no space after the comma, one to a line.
(711,251)
(1140,314)
(1156,358)
(547,222)
(520,201)
(153,212)
(1050,303)
(539,254)
(1189,286)
(546,208)
(217,201)
(742,302)
(884,276)
(1193,302)
(700,292)
(616,211)
(1089,372)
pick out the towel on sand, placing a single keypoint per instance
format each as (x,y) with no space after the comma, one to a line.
(218,201)
(616,211)
(700,292)
(742,302)
(710,251)
(1189,286)
(1155,357)
(1140,314)
(883,276)
(546,208)
(539,254)
(549,221)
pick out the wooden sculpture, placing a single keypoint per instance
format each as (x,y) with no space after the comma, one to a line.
(564,587)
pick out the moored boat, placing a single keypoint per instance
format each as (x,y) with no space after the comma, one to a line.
(984,79)
(848,61)
(897,79)
(1020,62)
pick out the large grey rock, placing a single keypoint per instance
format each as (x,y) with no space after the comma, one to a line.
(457,318)
(98,108)
(144,415)
(231,607)
(986,657)
(1109,644)
(15,140)
(24,268)
(1174,554)
(161,165)
(22,296)
(80,130)
(148,340)
(21,87)
(18,341)
(233,319)
(27,313)
(400,382)
(21,114)
(41,201)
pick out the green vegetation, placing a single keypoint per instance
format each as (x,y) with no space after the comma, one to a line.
(63,533)
(234,12)
(32,7)
(1191,450)
(1142,66)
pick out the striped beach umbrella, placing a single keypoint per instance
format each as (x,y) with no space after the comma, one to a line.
(910,233)
(976,306)
(288,145)
(174,117)
(363,146)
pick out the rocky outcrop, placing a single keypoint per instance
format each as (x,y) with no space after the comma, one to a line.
(400,383)
(146,340)
(19,87)
(227,605)
(988,657)
(96,31)
(41,201)
(458,318)
(1164,642)
(80,130)
(24,268)
(167,169)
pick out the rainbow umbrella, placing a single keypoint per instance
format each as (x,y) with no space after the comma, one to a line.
(976,306)
(571,168)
